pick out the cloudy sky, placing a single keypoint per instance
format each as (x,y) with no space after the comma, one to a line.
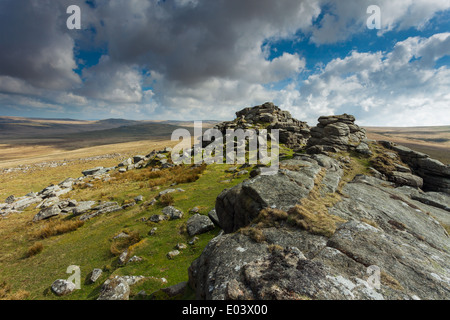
(205,59)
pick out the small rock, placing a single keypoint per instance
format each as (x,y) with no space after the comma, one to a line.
(123,258)
(172,213)
(135,259)
(173,254)
(115,289)
(175,290)
(152,232)
(180,246)
(121,235)
(193,240)
(10,199)
(194,210)
(139,199)
(199,224)
(63,287)
(158,218)
(94,171)
(95,275)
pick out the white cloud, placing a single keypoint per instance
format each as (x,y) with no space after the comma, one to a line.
(385,88)
(349,17)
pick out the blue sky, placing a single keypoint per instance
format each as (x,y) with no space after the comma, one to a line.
(200,59)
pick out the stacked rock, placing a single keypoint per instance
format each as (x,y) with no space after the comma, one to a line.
(337,133)
(293,133)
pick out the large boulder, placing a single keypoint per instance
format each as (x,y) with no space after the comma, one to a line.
(338,132)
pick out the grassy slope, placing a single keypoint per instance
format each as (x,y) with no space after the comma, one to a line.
(89,246)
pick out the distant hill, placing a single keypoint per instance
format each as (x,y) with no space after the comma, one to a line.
(17,127)
(434,141)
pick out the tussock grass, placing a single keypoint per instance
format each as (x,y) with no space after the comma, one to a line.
(179,174)
(121,244)
(34,249)
(7,294)
(167,199)
(54,228)
(256,234)
(312,213)
(389,281)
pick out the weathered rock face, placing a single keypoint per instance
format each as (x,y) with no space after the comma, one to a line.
(390,243)
(435,175)
(408,247)
(238,206)
(293,133)
(334,133)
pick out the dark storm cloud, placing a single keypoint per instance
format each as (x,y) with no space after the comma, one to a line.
(35,47)
(191,41)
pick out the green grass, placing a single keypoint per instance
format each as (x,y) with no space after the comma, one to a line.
(89,246)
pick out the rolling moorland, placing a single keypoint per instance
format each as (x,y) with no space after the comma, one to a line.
(38,153)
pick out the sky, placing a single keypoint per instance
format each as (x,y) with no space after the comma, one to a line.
(205,60)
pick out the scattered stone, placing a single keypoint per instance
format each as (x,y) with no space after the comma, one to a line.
(173,254)
(194,210)
(199,224)
(137,159)
(241,173)
(63,287)
(135,259)
(167,191)
(128,205)
(121,236)
(172,213)
(23,203)
(125,163)
(132,280)
(83,207)
(175,290)
(115,289)
(95,275)
(94,171)
(193,240)
(180,246)
(10,199)
(158,218)
(139,198)
(152,231)
(123,258)
(47,213)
